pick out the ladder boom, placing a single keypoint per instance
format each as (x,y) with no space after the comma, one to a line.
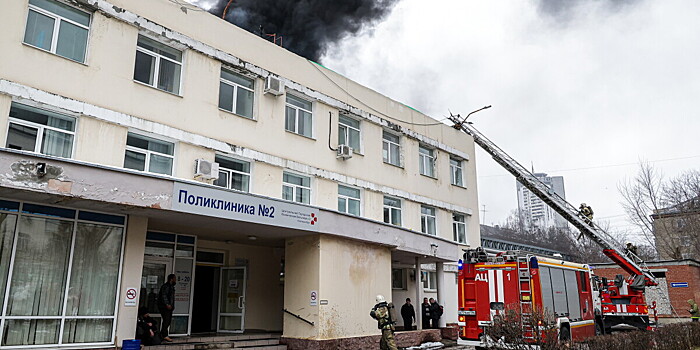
(610,247)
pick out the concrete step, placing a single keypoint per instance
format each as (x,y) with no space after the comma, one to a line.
(241,341)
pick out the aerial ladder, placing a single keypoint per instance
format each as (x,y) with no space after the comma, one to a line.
(612,294)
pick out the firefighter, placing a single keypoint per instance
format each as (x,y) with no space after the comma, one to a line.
(631,248)
(380,312)
(694,312)
(586,213)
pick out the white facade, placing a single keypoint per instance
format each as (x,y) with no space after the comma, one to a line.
(533,211)
(123,108)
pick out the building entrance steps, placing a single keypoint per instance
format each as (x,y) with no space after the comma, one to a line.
(254,341)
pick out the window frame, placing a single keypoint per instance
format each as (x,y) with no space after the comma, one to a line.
(424,219)
(348,198)
(40,128)
(390,207)
(427,159)
(456,224)
(230,171)
(429,277)
(148,153)
(387,160)
(56,29)
(459,167)
(346,132)
(404,282)
(156,68)
(296,114)
(235,87)
(296,187)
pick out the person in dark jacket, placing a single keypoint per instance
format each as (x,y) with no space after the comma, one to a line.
(166,305)
(425,313)
(435,313)
(147,328)
(408,314)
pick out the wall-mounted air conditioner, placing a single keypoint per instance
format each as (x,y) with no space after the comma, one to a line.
(206,170)
(344,152)
(274,86)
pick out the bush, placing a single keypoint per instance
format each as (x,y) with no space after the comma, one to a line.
(507,332)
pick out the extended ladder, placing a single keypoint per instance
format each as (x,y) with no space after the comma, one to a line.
(558,204)
(525,295)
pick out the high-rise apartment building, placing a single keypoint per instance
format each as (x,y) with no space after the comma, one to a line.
(533,211)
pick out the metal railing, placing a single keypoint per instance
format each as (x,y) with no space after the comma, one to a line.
(297,316)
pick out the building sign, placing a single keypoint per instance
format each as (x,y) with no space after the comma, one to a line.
(183,288)
(679,284)
(130,295)
(237,206)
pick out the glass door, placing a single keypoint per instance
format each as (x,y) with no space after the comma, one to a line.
(155,271)
(232,300)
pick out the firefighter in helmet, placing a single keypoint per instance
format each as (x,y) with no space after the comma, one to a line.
(694,312)
(586,213)
(380,312)
(631,248)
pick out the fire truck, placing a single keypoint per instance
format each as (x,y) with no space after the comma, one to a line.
(614,304)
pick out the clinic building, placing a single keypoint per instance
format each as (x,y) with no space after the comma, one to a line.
(140,139)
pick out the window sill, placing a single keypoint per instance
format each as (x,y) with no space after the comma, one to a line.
(55,54)
(430,177)
(238,115)
(394,165)
(430,290)
(460,186)
(304,136)
(155,88)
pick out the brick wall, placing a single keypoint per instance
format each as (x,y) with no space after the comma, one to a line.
(676,271)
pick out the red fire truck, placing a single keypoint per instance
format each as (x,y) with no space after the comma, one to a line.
(490,285)
(614,304)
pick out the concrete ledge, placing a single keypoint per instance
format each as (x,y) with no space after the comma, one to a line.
(403,340)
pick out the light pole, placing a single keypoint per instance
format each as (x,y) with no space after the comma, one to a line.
(458,123)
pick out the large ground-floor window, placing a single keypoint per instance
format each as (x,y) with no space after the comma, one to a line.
(59,275)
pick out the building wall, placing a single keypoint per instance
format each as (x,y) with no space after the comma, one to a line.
(534,212)
(106,81)
(134,245)
(682,271)
(302,275)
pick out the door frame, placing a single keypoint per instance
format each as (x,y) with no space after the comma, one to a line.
(241,300)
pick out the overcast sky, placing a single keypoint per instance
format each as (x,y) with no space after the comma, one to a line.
(583,90)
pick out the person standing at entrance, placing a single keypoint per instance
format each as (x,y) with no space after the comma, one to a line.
(166,305)
(425,312)
(380,312)
(408,314)
(435,313)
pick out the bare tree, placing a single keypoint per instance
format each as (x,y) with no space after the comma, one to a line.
(666,212)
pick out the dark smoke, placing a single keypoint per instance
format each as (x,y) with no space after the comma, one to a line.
(565,10)
(307,26)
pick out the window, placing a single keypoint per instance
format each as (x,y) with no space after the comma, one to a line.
(61,269)
(298,116)
(427,220)
(57,28)
(429,279)
(456,177)
(158,65)
(398,279)
(459,228)
(37,130)
(349,132)
(296,188)
(426,161)
(391,149)
(148,154)
(233,173)
(348,200)
(392,210)
(236,93)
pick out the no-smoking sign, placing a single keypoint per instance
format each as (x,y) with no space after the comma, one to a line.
(130,295)
(314,298)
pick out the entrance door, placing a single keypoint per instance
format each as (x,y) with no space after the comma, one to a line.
(232,300)
(155,271)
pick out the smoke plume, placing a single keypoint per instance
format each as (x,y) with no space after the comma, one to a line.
(307,27)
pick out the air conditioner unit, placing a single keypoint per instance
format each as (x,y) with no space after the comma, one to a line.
(205,169)
(344,152)
(274,86)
